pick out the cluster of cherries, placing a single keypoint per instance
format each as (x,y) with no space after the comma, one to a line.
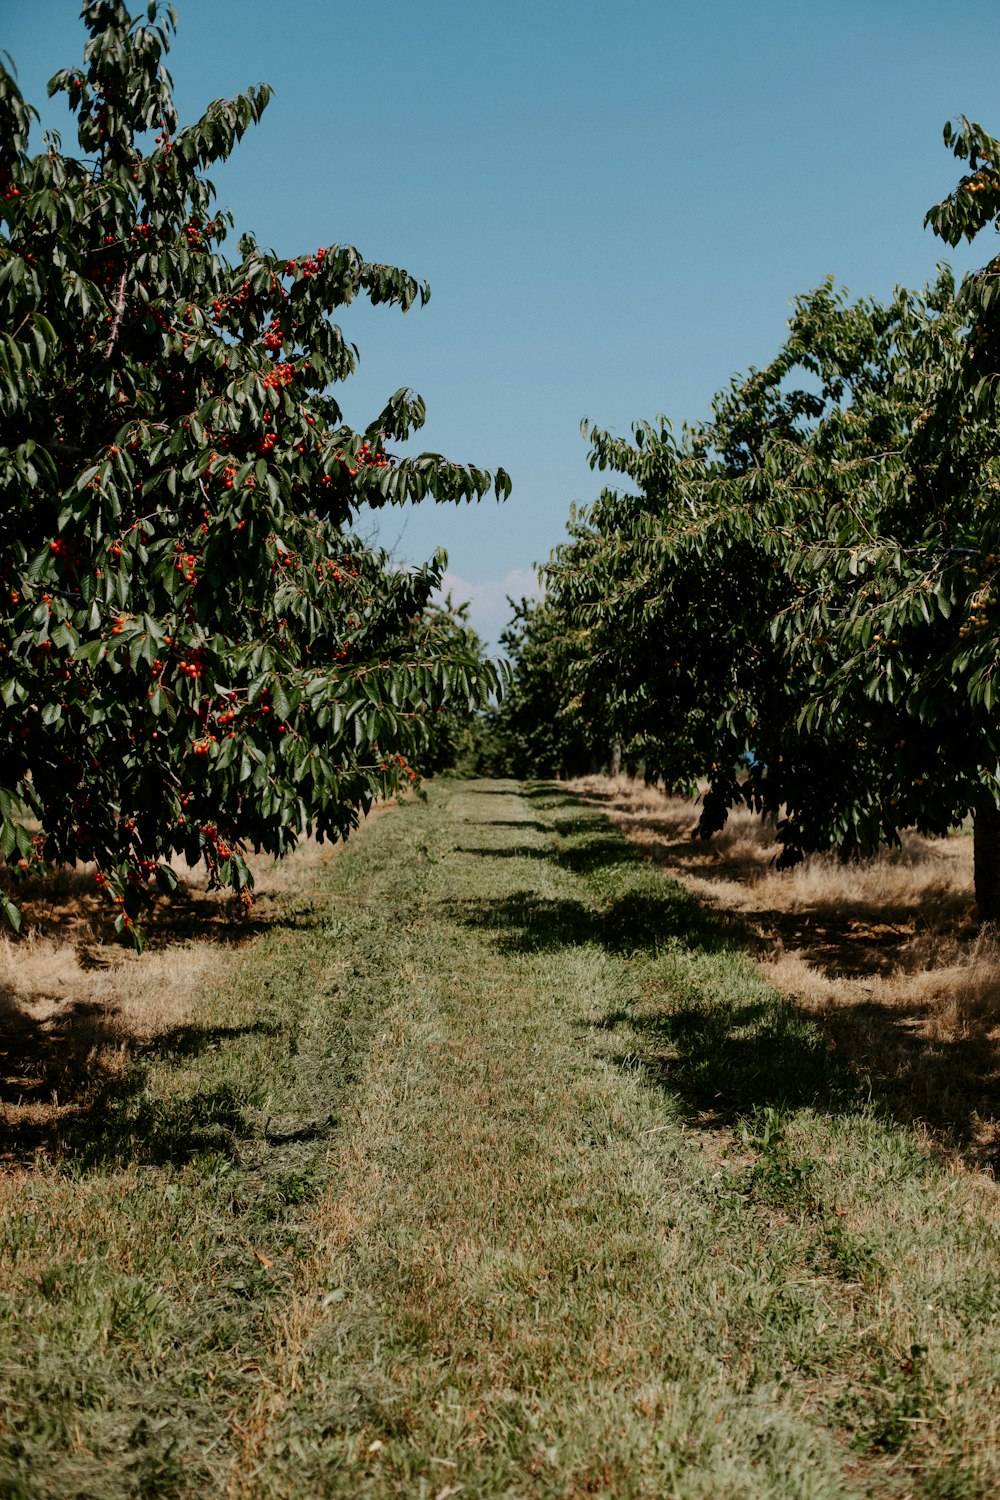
(309,267)
(220,844)
(399,761)
(185,563)
(367,458)
(65,550)
(281,374)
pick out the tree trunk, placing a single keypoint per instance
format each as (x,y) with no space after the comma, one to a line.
(986,862)
(616,758)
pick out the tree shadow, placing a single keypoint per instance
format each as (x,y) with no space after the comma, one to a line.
(74,1087)
(721,1060)
(585,844)
(950,1087)
(634,922)
(551,795)
(590,856)
(886,968)
(842,931)
(74,1070)
(66,906)
(522,824)
(191,918)
(477,789)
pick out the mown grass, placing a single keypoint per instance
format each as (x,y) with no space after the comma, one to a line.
(502,1173)
(886,954)
(150,1246)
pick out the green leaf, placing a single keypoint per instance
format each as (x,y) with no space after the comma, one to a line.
(10,912)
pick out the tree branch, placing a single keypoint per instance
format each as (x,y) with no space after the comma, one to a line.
(116,322)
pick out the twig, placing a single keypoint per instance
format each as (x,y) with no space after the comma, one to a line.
(116,322)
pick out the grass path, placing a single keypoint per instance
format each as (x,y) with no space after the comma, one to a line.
(498,1174)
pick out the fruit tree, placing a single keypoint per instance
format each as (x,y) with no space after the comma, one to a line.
(196,654)
(798,605)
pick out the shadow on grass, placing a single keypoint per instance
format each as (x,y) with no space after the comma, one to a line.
(77,1089)
(478,789)
(588,855)
(634,922)
(189,917)
(840,931)
(74,1076)
(551,795)
(721,1058)
(585,843)
(522,824)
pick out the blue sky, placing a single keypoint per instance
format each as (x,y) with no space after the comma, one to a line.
(614,205)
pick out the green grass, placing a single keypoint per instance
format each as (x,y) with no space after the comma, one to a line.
(499,1173)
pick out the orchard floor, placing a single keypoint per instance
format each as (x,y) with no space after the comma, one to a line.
(495,1169)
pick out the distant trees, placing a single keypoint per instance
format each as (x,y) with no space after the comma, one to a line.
(454,733)
(538,730)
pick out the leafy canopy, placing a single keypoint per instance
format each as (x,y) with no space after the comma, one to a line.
(196,653)
(797,603)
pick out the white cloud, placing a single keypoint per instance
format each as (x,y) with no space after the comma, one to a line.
(489,611)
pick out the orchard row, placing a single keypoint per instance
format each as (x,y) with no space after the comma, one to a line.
(795,601)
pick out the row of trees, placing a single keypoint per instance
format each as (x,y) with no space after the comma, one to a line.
(197,654)
(796,600)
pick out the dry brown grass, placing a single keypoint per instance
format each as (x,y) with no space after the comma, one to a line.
(76,1006)
(886,952)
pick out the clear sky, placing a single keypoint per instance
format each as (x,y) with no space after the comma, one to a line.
(614,204)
